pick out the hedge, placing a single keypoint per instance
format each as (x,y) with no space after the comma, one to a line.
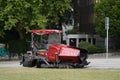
(90,47)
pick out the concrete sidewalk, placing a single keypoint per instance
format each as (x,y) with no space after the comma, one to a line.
(112,63)
(10,64)
(97,61)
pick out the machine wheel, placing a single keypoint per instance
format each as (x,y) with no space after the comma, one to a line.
(28,61)
(27,64)
(38,64)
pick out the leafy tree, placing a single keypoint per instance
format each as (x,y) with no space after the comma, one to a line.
(24,15)
(111,9)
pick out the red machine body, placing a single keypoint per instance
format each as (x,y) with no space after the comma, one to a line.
(63,52)
(53,53)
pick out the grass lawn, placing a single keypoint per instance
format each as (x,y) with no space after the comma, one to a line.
(58,74)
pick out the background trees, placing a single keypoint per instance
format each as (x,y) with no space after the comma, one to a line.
(23,15)
(111,9)
(17,17)
(108,8)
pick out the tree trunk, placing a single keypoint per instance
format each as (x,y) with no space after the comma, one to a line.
(21,33)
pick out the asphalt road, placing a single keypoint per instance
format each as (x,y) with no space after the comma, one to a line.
(14,64)
(112,63)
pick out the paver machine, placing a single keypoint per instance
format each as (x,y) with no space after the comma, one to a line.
(47,51)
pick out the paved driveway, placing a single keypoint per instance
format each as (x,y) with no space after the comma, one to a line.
(113,63)
(15,64)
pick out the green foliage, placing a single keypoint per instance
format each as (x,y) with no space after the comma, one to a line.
(111,9)
(90,47)
(74,31)
(30,14)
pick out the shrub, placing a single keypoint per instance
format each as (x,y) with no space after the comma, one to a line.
(90,47)
(73,31)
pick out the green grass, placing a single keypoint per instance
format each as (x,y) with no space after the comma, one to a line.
(58,74)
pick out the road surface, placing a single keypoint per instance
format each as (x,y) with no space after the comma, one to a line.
(15,64)
(113,63)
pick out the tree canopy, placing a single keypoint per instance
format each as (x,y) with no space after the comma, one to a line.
(30,14)
(111,9)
